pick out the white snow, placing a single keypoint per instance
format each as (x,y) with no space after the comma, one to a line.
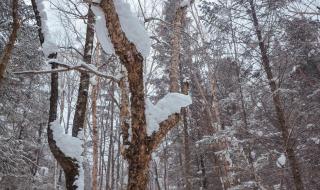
(130,24)
(48,46)
(132,27)
(281,161)
(101,30)
(168,105)
(93,81)
(185,3)
(71,147)
(315,140)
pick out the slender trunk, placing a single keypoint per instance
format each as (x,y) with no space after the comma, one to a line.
(7,51)
(110,152)
(95,134)
(287,141)
(156,176)
(81,107)
(186,146)
(203,173)
(118,160)
(176,47)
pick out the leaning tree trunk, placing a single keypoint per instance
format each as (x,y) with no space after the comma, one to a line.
(7,51)
(69,165)
(287,140)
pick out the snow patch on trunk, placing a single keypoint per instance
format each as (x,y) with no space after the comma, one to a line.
(168,105)
(101,30)
(71,147)
(48,46)
(281,161)
(130,24)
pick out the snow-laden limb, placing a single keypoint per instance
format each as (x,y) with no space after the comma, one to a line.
(82,67)
(101,30)
(130,25)
(281,161)
(133,28)
(168,105)
(48,46)
(71,147)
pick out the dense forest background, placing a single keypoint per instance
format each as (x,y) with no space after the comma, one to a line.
(251,67)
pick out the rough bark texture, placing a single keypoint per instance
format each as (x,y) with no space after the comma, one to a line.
(176,46)
(138,153)
(6,54)
(287,141)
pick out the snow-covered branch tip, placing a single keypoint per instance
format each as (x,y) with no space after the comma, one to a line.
(168,105)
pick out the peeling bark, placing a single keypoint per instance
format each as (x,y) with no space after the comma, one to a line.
(141,145)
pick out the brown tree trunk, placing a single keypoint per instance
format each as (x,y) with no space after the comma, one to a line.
(81,107)
(95,134)
(109,177)
(140,146)
(69,165)
(287,141)
(180,15)
(7,51)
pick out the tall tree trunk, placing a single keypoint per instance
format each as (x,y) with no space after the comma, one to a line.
(179,18)
(95,134)
(81,107)
(138,153)
(110,152)
(287,140)
(69,165)
(7,51)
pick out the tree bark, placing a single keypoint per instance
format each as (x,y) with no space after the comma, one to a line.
(95,134)
(180,15)
(138,152)
(81,107)
(7,51)
(287,141)
(69,165)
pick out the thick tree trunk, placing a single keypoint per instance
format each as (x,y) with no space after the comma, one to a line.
(140,146)
(7,51)
(287,141)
